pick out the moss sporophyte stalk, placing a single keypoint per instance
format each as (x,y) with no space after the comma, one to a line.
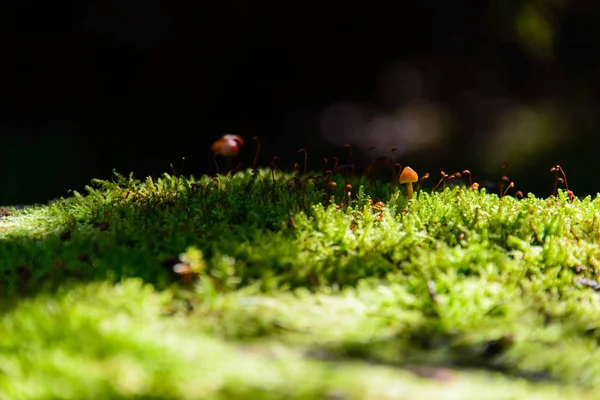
(262,283)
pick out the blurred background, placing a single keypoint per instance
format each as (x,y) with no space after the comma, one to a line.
(136,85)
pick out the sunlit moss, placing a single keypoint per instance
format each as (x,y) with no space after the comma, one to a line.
(281,286)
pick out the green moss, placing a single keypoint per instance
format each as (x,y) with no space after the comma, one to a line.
(283,287)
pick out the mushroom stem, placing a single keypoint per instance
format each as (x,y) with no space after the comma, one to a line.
(409,190)
(227,164)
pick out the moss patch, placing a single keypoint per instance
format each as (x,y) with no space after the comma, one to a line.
(275,285)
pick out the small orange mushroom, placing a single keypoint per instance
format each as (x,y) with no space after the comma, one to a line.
(228,146)
(408,177)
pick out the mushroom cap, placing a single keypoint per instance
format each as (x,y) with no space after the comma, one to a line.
(228,146)
(408,175)
(238,139)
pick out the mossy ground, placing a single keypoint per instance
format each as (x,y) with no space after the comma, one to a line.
(269,286)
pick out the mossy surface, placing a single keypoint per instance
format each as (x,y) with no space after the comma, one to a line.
(270,285)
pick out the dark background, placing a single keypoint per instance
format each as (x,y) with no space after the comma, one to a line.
(136,85)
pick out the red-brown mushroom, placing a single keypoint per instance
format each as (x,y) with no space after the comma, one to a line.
(228,146)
